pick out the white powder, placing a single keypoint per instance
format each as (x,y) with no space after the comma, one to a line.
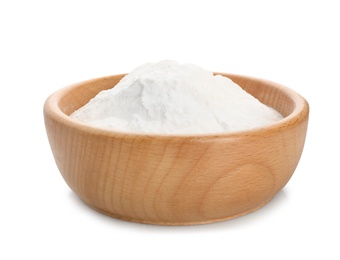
(170,98)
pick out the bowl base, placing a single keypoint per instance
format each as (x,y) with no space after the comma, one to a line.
(182,223)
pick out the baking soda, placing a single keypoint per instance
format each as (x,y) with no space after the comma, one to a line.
(172,98)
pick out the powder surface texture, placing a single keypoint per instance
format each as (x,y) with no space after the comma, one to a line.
(172,98)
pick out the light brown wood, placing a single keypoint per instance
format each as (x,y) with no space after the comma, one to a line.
(176,180)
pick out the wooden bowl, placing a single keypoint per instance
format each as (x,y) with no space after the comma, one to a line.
(176,180)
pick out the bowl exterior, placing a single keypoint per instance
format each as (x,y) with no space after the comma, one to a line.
(174,180)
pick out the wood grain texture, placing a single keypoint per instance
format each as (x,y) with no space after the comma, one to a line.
(176,180)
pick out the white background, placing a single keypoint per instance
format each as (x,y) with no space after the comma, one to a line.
(46,45)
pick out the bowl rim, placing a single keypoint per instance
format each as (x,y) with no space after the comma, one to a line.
(299,114)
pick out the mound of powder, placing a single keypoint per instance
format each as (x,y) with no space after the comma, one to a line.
(172,98)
